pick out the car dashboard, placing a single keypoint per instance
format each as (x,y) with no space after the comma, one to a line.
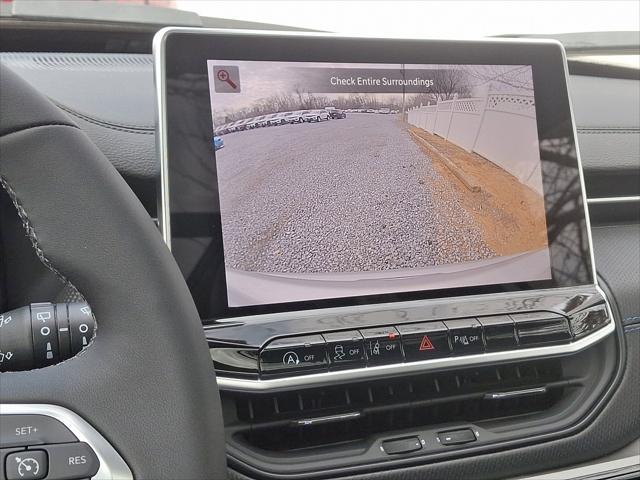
(500,416)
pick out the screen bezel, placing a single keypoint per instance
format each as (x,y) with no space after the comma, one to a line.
(180,51)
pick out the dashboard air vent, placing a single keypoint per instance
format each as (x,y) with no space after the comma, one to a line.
(328,416)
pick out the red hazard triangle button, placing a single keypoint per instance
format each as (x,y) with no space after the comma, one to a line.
(426,344)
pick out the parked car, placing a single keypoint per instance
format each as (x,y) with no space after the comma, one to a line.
(255,122)
(384,110)
(315,115)
(369,110)
(277,119)
(294,117)
(218,143)
(336,113)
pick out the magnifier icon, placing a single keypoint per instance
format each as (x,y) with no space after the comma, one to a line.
(223,76)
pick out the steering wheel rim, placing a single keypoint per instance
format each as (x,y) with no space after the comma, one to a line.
(146,381)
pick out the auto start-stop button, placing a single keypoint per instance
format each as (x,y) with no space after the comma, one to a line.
(294,354)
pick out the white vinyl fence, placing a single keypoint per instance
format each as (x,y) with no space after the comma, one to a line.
(500,127)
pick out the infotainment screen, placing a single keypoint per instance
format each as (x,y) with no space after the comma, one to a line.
(299,183)
(340,180)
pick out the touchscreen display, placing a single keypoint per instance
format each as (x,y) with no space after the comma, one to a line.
(345,180)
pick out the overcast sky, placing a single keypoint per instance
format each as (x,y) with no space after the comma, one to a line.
(431,19)
(260,80)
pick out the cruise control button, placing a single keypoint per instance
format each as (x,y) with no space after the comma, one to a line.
(26,465)
(465,335)
(71,460)
(23,430)
(345,349)
(424,340)
(541,327)
(382,345)
(499,332)
(294,355)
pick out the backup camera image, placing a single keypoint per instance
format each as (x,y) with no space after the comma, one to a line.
(342,180)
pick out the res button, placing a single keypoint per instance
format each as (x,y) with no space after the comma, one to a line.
(71,461)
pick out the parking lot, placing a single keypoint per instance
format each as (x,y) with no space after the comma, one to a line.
(344,195)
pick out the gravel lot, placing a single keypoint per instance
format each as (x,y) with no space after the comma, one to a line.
(348,195)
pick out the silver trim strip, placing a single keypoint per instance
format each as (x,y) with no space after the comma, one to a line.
(112,466)
(312,379)
(515,393)
(590,471)
(630,199)
(328,419)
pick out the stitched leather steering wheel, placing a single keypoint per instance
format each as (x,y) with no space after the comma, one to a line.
(146,381)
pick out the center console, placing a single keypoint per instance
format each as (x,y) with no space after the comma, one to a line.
(387,242)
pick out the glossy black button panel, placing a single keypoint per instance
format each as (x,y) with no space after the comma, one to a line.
(422,341)
(382,345)
(465,335)
(539,328)
(294,355)
(345,349)
(417,341)
(499,332)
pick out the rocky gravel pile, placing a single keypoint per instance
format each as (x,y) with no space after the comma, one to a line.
(348,195)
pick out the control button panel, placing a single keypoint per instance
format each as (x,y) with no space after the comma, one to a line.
(456,437)
(413,342)
(422,341)
(465,335)
(345,349)
(43,334)
(294,355)
(541,328)
(402,445)
(382,345)
(499,332)
(23,430)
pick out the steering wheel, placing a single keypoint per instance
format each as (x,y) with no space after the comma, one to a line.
(146,382)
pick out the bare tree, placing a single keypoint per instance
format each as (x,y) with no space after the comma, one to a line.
(518,77)
(449,83)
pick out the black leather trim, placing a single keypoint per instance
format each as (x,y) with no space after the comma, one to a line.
(146,381)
